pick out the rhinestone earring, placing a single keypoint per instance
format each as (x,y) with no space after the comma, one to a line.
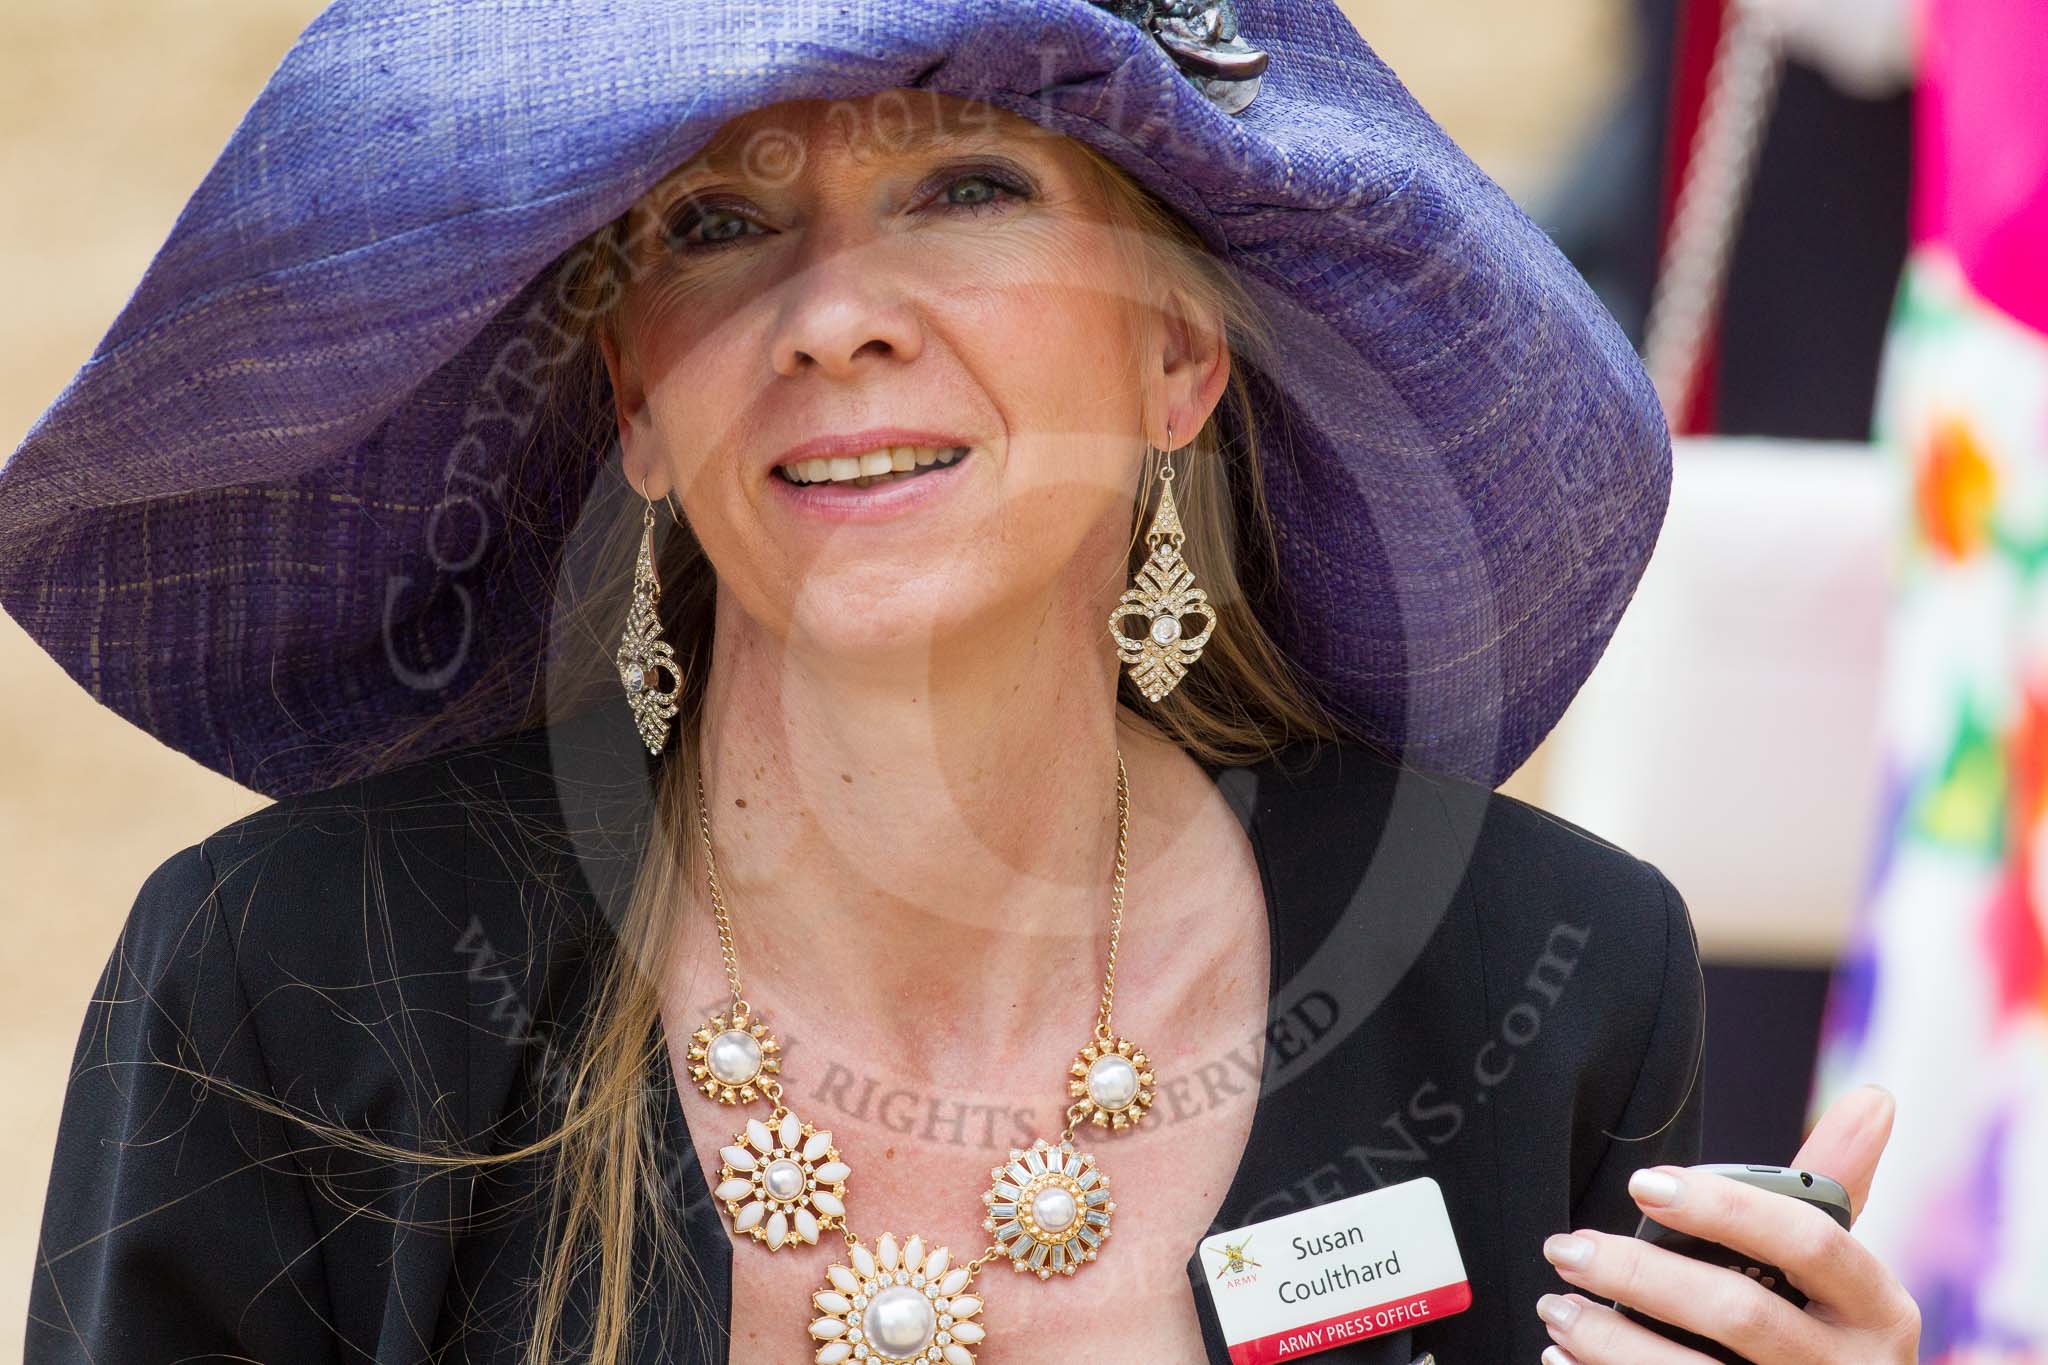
(642,652)
(1162,592)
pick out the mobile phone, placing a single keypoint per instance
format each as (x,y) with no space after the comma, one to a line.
(1808,1187)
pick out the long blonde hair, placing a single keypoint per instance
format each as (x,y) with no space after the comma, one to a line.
(1242,701)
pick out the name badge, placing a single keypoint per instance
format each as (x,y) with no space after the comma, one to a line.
(1340,1272)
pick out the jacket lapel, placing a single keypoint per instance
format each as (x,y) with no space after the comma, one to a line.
(1359,899)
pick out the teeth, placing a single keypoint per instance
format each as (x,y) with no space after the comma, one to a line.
(869,464)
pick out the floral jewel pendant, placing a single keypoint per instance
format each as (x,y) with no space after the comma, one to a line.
(896,1305)
(783,1183)
(1112,1083)
(733,1059)
(1049,1208)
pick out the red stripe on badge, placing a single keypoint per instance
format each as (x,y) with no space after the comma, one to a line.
(1360,1323)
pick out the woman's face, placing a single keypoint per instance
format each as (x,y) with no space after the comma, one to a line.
(832,282)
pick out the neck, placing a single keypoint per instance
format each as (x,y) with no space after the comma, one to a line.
(930,841)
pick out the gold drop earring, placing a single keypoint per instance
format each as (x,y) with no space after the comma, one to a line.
(642,652)
(1162,592)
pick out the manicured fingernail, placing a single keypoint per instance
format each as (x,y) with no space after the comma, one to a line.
(1557,1310)
(1567,1251)
(1654,1187)
(1557,1355)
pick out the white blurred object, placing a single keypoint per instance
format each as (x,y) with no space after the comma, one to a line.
(1730,732)
(1864,46)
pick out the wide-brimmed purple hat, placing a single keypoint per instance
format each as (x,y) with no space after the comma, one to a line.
(247,523)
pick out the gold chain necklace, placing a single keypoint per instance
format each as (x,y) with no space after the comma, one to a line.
(782,1181)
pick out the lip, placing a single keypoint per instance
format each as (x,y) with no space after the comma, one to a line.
(859,442)
(845,503)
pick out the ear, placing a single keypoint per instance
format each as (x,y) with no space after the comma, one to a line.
(644,469)
(1189,375)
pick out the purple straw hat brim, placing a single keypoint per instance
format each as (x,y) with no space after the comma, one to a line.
(259,521)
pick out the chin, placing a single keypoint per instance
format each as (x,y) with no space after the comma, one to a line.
(853,623)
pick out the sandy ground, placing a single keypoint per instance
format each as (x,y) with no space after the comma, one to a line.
(109,115)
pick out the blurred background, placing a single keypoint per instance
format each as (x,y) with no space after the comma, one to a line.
(1825,716)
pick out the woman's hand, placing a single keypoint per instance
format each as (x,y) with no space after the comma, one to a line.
(1858,1312)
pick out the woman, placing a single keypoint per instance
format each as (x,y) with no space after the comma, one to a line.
(745,1014)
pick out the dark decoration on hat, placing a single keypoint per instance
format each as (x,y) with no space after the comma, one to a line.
(1202,38)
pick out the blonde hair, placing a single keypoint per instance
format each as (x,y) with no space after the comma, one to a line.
(1242,701)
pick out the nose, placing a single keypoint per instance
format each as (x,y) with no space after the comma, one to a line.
(846,306)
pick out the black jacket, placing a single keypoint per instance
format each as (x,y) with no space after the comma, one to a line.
(1465,987)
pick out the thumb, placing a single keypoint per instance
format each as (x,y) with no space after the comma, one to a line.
(1847,1142)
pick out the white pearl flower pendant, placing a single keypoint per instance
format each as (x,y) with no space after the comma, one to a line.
(895,1305)
(783,1184)
(732,1057)
(1111,1083)
(1049,1208)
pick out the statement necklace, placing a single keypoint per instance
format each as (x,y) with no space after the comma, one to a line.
(783,1182)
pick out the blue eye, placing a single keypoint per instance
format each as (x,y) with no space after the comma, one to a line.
(723,226)
(979,189)
(699,226)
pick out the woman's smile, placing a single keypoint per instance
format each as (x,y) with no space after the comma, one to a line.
(844,489)
(870,467)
